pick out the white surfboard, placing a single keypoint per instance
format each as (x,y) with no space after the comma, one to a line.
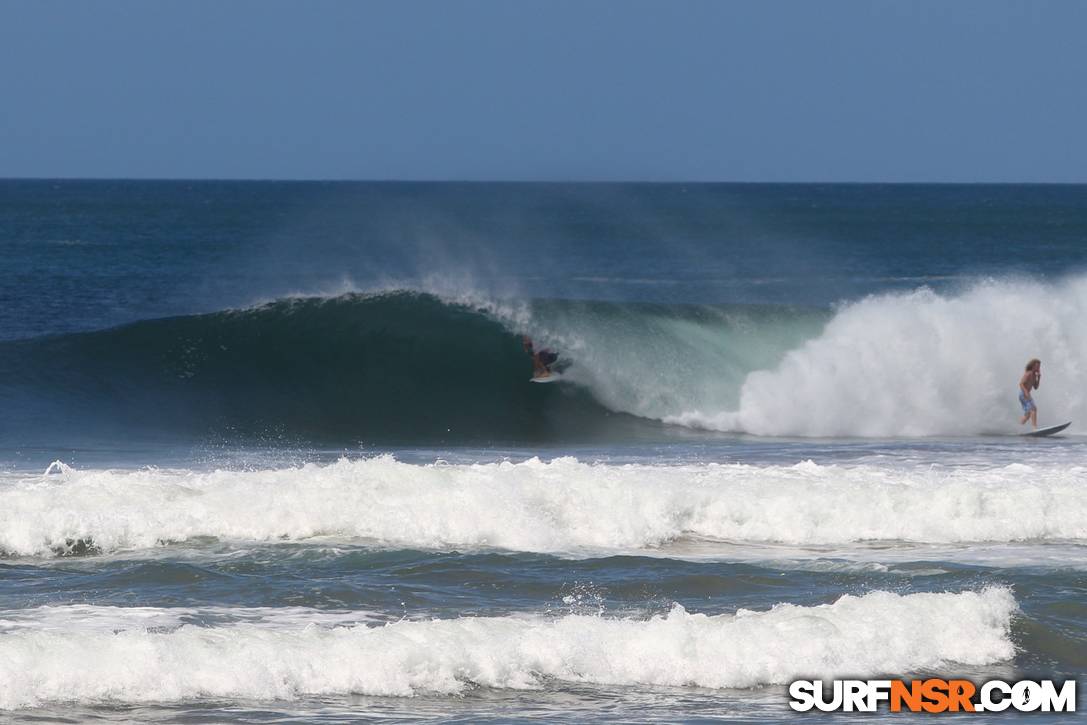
(552,378)
(1042,432)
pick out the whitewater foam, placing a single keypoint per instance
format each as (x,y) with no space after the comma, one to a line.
(921,364)
(562,506)
(137,663)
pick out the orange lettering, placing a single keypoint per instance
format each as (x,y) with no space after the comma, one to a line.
(959,694)
(911,696)
(935,693)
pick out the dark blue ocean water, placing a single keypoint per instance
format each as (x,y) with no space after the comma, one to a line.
(270,452)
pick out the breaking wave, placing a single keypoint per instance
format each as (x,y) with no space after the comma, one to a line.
(413,368)
(564,506)
(143,655)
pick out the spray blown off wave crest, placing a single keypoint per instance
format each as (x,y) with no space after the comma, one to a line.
(560,507)
(134,662)
(922,364)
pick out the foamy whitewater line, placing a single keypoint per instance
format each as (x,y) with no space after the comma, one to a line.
(561,507)
(90,618)
(748,649)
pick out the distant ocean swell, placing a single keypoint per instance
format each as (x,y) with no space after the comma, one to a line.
(413,368)
(114,655)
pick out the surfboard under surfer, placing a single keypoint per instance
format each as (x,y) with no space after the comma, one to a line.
(541,359)
(1032,378)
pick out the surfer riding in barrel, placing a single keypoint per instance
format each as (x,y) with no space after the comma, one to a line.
(541,359)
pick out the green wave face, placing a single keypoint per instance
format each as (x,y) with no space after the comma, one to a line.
(401,367)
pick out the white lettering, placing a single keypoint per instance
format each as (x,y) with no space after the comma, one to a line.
(988,704)
(802,693)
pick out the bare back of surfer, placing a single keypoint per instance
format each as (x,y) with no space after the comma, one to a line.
(1031,379)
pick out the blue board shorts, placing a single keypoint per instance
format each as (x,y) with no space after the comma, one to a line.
(1027,403)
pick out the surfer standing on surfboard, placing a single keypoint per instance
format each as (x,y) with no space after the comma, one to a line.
(1031,379)
(541,360)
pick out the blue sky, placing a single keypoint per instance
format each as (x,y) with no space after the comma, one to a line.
(773,90)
